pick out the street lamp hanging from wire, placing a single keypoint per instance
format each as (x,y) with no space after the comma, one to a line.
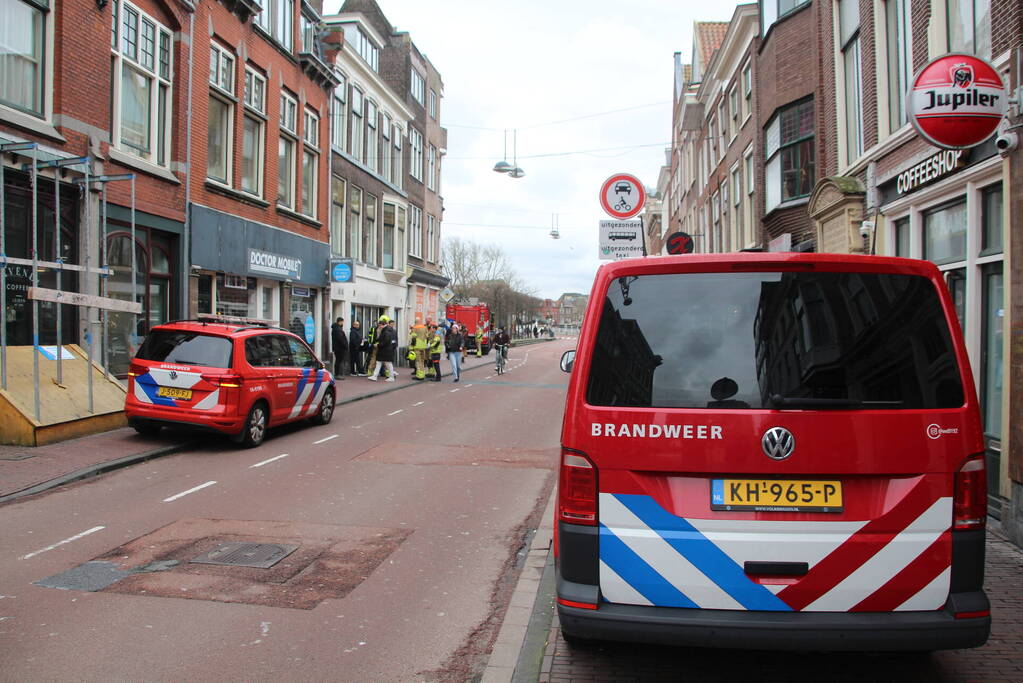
(503,166)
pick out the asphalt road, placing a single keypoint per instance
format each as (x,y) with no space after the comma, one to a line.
(407,514)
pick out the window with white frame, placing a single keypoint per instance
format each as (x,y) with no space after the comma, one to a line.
(747,90)
(396,137)
(363,46)
(277,20)
(355,222)
(722,128)
(790,153)
(371,136)
(253,132)
(23,31)
(339,115)
(310,162)
(386,153)
(415,232)
(400,223)
(220,119)
(431,239)
(415,141)
(337,216)
(773,10)
(358,131)
(747,201)
(431,168)
(849,44)
(734,111)
(142,68)
(737,217)
(969,26)
(418,86)
(287,146)
(387,236)
(899,35)
(369,231)
(433,104)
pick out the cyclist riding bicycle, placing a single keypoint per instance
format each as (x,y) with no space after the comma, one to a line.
(501,342)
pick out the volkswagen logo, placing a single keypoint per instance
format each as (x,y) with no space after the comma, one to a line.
(173,375)
(778,443)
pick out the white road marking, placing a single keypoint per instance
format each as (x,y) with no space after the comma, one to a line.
(453,391)
(418,404)
(395,412)
(489,376)
(260,464)
(191,490)
(332,436)
(66,540)
(467,386)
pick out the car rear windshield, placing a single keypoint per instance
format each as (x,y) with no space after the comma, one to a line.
(186,348)
(774,340)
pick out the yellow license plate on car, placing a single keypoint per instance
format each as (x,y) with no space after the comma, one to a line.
(776,495)
(174,392)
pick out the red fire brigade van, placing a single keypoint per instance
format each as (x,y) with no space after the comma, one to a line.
(775,451)
(472,317)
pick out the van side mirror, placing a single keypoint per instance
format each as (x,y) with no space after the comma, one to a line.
(567,360)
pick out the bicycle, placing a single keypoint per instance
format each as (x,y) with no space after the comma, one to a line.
(502,357)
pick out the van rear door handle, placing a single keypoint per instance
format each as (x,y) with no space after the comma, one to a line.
(776,568)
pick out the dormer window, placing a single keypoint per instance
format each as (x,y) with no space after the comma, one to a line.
(361,43)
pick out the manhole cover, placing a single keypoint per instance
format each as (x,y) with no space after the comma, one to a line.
(261,555)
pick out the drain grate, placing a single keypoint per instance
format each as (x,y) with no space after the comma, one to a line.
(259,555)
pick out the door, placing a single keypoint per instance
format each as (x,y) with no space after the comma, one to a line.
(285,379)
(312,380)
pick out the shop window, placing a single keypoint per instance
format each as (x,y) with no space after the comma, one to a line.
(235,295)
(303,309)
(992,236)
(204,291)
(902,237)
(945,233)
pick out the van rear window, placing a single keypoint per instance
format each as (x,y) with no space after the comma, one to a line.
(774,340)
(186,348)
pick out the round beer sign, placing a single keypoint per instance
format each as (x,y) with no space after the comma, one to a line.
(957,101)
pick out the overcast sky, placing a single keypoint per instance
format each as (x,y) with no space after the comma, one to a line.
(521,65)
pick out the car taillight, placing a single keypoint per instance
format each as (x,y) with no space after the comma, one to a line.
(970,501)
(228,381)
(577,489)
(134,370)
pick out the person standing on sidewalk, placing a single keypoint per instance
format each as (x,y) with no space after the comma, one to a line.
(386,345)
(436,346)
(339,345)
(455,346)
(355,349)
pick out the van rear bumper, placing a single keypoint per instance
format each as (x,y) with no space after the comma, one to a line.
(864,631)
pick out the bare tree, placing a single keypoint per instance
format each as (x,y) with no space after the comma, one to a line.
(484,271)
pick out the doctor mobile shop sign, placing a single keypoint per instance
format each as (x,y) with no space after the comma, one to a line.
(957,101)
(278,265)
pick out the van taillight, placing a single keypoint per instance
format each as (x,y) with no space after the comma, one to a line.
(134,370)
(577,489)
(230,381)
(971,495)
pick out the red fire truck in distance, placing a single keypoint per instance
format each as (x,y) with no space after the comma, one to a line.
(472,317)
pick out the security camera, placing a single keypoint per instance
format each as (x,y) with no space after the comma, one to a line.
(1007,141)
(865,228)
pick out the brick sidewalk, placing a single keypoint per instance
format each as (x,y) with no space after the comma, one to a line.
(1001,659)
(25,469)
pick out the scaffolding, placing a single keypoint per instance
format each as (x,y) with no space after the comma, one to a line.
(58,296)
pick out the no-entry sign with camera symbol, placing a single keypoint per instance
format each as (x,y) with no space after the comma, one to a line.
(622,196)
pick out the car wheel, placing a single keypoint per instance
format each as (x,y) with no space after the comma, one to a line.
(146,429)
(254,430)
(326,409)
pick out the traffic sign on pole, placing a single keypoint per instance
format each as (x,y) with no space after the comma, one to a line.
(622,196)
